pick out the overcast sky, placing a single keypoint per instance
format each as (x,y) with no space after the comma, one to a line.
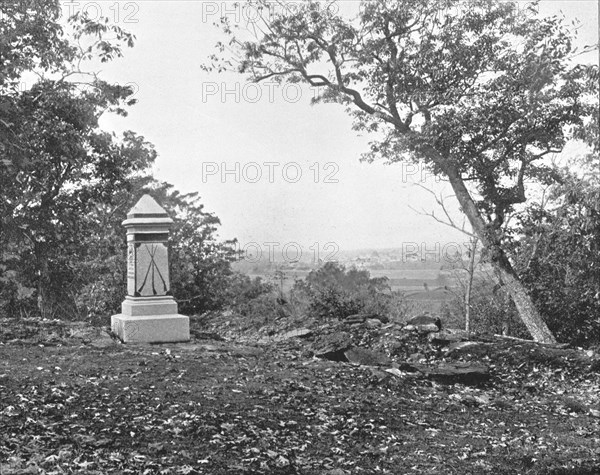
(312,189)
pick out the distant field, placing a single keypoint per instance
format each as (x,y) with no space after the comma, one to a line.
(403,277)
(411,282)
(426,287)
(438,294)
(288,281)
(411,274)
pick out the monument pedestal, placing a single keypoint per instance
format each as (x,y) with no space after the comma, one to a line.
(150,320)
(149,313)
(151,328)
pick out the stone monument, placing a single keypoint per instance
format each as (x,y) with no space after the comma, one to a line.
(149,312)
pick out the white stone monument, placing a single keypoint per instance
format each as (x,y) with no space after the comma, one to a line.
(149,312)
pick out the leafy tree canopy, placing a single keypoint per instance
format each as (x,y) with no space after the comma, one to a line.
(479,92)
(66,184)
(557,244)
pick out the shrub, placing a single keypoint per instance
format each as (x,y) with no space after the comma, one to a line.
(332,291)
(492,310)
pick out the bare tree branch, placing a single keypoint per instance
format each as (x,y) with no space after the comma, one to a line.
(441,203)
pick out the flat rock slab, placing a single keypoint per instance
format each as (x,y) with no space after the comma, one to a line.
(363,317)
(425,320)
(466,373)
(448,336)
(298,333)
(366,357)
(332,347)
(425,328)
(103,340)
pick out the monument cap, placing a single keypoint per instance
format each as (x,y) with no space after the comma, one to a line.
(147,211)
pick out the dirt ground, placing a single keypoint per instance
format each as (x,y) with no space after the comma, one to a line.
(73,400)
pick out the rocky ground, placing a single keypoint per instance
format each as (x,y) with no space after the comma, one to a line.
(360,396)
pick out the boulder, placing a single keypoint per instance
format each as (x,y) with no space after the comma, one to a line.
(382,318)
(366,357)
(424,324)
(424,319)
(365,317)
(396,372)
(99,337)
(332,347)
(379,376)
(373,323)
(401,373)
(298,333)
(103,340)
(428,328)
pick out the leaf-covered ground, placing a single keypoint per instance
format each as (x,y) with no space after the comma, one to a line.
(77,402)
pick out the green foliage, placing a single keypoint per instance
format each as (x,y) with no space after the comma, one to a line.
(30,38)
(263,311)
(255,305)
(555,246)
(56,164)
(66,185)
(492,310)
(557,256)
(200,264)
(243,289)
(332,291)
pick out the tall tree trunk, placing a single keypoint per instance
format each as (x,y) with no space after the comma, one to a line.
(44,302)
(525,306)
(527,311)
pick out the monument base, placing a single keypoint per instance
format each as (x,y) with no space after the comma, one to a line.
(144,306)
(151,328)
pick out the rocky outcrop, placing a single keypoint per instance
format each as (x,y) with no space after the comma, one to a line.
(359,318)
(332,346)
(424,324)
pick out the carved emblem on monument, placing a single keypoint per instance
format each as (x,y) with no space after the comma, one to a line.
(152,269)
